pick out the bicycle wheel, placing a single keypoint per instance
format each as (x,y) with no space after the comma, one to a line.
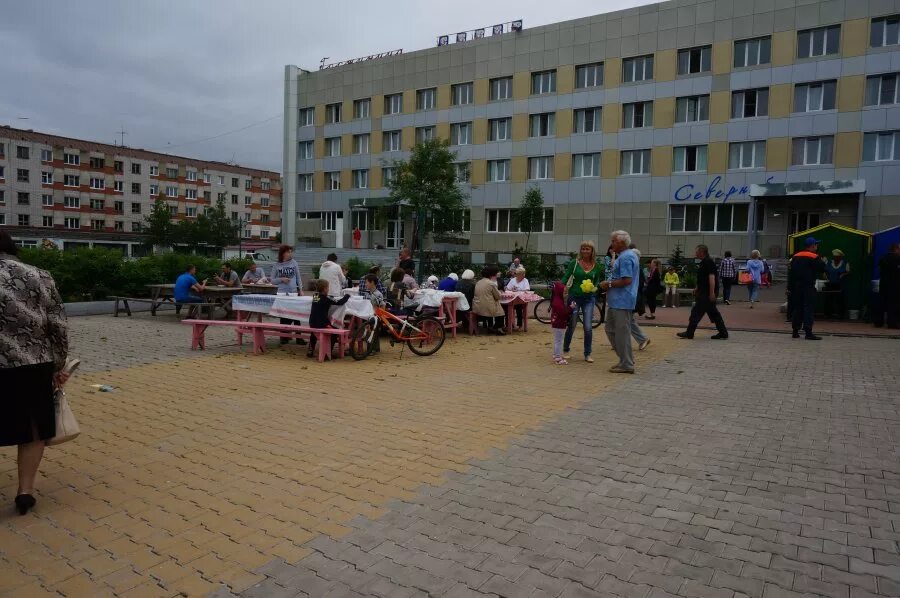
(598,315)
(434,330)
(542,311)
(363,340)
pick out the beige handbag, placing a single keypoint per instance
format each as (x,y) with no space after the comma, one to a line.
(66,425)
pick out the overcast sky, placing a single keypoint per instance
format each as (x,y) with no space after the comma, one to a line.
(176,72)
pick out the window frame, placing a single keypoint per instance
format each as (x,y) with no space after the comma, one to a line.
(579,161)
(359,178)
(646,115)
(810,44)
(455,133)
(581,114)
(330,144)
(332,182)
(546,124)
(307,150)
(684,208)
(747,51)
(362,108)
(759,159)
(492,129)
(540,168)
(879,89)
(701,102)
(757,104)
(71,159)
(589,75)
(305,182)
(884,22)
(426,99)
(425,133)
(493,169)
(644,162)
(333,113)
(388,138)
(543,82)
(306,117)
(699,157)
(804,90)
(498,84)
(646,62)
(361,144)
(389,104)
(876,144)
(685,60)
(462,91)
(508,218)
(824,150)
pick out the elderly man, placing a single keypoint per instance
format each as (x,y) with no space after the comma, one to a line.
(621,296)
(705,297)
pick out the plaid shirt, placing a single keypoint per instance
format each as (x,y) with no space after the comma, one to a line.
(727,268)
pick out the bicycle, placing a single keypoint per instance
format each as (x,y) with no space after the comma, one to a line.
(423,335)
(542,310)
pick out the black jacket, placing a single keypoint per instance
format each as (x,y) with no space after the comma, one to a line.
(806,268)
(318,313)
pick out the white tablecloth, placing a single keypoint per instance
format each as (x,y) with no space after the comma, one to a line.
(433,298)
(298,308)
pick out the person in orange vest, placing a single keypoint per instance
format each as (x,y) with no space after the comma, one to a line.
(357,235)
(805,269)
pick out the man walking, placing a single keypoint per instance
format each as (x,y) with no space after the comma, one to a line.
(727,274)
(622,289)
(705,297)
(805,269)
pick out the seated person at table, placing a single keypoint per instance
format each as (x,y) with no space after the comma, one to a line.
(254,275)
(466,285)
(448,284)
(398,292)
(409,279)
(376,272)
(519,283)
(370,290)
(228,278)
(486,304)
(187,289)
(431,282)
(318,313)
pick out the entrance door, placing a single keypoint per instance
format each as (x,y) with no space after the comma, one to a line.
(394,234)
(339,232)
(804,220)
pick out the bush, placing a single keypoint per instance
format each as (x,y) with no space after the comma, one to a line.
(356,268)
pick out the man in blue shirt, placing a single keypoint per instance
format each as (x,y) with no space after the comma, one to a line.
(186,286)
(621,295)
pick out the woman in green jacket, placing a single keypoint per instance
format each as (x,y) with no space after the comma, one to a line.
(582,296)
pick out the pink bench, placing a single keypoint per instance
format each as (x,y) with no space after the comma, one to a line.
(259,331)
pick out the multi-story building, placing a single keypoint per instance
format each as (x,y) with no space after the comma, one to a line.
(79,193)
(721,122)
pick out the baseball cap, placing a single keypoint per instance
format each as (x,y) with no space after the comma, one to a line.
(811,241)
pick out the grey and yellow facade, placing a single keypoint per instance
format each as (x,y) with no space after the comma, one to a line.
(723,122)
(82,193)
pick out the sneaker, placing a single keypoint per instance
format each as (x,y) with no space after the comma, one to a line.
(566,355)
(727,302)
(617,369)
(684,335)
(813,337)
(589,359)
(644,344)
(795,334)
(719,337)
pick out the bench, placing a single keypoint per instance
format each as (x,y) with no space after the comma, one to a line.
(154,305)
(259,331)
(682,293)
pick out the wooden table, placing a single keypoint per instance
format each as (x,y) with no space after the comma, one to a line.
(161,294)
(260,289)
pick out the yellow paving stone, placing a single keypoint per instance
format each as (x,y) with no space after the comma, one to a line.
(239,580)
(290,552)
(210,566)
(193,585)
(149,589)
(168,571)
(35,590)
(123,580)
(102,565)
(81,585)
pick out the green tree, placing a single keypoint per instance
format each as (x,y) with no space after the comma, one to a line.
(530,215)
(222,231)
(158,225)
(425,188)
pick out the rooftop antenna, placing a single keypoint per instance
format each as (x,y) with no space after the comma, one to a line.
(122,133)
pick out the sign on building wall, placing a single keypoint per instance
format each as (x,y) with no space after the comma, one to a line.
(716,189)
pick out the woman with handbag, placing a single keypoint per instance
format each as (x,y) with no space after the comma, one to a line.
(581,269)
(33,350)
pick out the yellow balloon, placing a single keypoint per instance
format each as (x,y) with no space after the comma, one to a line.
(587,286)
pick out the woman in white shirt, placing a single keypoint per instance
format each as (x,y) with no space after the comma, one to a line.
(519,283)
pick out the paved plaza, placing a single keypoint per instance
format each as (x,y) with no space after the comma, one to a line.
(762,466)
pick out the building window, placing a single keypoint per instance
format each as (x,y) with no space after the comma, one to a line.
(71,201)
(234,199)
(461,94)
(753,52)
(809,151)
(71,180)
(264,234)
(501,88)
(540,168)
(46,178)
(119,186)
(1,172)
(47,221)
(265,185)
(71,159)
(391,141)
(499,129)
(2,150)
(388,174)
(498,171)
(506,221)
(885,31)
(637,115)
(746,154)
(248,200)
(190,211)
(884,145)
(154,190)
(814,97)
(22,175)
(264,202)
(542,125)
(247,233)
(333,146)
(118,166)
(23,198)
(460,133)
(359,219)
(333,181)
(97,162)
(135,227)
(97,224)
(587,120)
(333,113)
(72,223)
(248,184)
(708,218)
(135,168)
(24,220)
(362,108)
(329,220)
(171,191)
(119,207)
(135,208)
(135,188)
(586,165)
(821,41)
(307,117)
(361,144)
(119,225)
(694,60)
(207,178)
(2,219)
(691,158)
(154,170)
(425,98)
(393,104)
(425,133)
(46,155)
(172,173)
(173,211)
(639,68)
(305,150)
(589,75)
(22,152)
(221,180)
(207,196)
(97,204)
(692,109)
(191,175)
(882,90)
(543,82)
(305,182)
(462,172)
(98,183)
(190,194)
(636,162)
(46,200)
(361,179)
(750,103)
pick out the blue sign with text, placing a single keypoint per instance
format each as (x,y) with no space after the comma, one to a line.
(686,192)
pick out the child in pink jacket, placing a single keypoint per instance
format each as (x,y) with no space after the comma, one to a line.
(560,312)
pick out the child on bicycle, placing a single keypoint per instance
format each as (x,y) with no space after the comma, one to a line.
(318,314)
(560,312)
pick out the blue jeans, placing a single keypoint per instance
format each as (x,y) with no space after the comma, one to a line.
(586,304)
(753,290)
